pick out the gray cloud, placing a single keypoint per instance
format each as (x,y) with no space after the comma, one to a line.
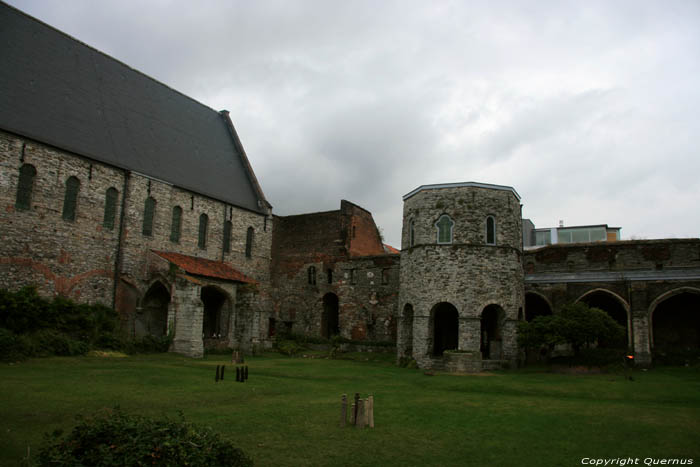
(589,109)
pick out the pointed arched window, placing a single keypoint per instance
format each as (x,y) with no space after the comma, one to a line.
(176,225)
(24,187)
(249,242)
(70,201)
(110,208)
(203,225)
(227,236)
(149,212)
(490,230)
(444,227)
(312,275)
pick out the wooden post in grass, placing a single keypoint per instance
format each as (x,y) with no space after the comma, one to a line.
(354,408)
(366,414)
(360,414)
(371,411)
(222,371)
(238,374)
(217,374)
(246,372)
(343,410)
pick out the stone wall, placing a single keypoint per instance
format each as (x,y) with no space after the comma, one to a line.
(466,273)
(74,258)
(78,258)
(338,253)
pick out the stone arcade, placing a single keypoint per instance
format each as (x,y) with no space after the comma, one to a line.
(117,189)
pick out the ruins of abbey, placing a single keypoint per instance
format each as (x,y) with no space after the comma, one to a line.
(117,189)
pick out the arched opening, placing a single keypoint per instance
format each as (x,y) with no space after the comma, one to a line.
(217,314)
(613,306)
(536,305)
(153,318)
(676,326)
(329,317)
(491,339)
(445,328)
(406,344)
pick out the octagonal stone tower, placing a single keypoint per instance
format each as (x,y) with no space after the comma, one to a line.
(461,284)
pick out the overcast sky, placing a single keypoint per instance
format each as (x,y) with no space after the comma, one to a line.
(590,110)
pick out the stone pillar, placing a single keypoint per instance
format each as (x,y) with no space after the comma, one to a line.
(510,341)
(188,310)
(641,338)
(469,334)
(233,321)
(422,341)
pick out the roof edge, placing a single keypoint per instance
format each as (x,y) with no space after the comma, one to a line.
(462,185)
(244,157)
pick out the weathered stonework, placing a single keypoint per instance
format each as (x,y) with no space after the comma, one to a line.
(466,273)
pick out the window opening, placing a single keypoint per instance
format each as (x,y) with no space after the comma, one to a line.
(490,230)
(227,236)
(312,275)
(24,188)
(176,224)
(110,208)
(203,225)
(249,243)
(70,201)
(444,229)
(149,211)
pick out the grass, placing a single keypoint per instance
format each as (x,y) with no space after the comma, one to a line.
(287,413)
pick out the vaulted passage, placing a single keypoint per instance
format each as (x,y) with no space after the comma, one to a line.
(491,339)
(445,327)
(329,317)
(676,324)
(153,318)
(536,306)
(612,306)
(217,313)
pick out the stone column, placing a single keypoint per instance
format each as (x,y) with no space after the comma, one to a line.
(469,334)
(188,310)
(422,340)
(510,341)
(233,321)
(641,338)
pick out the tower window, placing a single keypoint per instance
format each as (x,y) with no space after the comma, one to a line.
(490,230)
(249,242)
(312,275)
(444,227)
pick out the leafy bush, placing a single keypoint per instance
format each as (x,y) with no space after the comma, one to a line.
(35,326)
(114,438)
(288,347)
(575,324)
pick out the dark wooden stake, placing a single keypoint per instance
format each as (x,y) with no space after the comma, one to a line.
(217,374)
(355,407)
(222,371)
(238,374)
(246,372)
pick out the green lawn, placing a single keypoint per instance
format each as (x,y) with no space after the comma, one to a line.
(287,413)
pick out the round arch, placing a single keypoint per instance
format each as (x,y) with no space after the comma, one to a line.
(153,317)
(444,327)
(676,308)
(611,303)
(536,305)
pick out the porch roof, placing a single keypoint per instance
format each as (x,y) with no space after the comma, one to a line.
(205,267)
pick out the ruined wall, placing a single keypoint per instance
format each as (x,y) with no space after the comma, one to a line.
(74,258)
(329,253)
(467,273)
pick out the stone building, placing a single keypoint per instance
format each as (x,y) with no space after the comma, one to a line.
(116,189)
(461,286)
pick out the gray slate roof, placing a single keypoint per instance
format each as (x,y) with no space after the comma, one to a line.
(59,91)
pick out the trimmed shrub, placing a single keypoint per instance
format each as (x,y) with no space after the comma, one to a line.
(114,438)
